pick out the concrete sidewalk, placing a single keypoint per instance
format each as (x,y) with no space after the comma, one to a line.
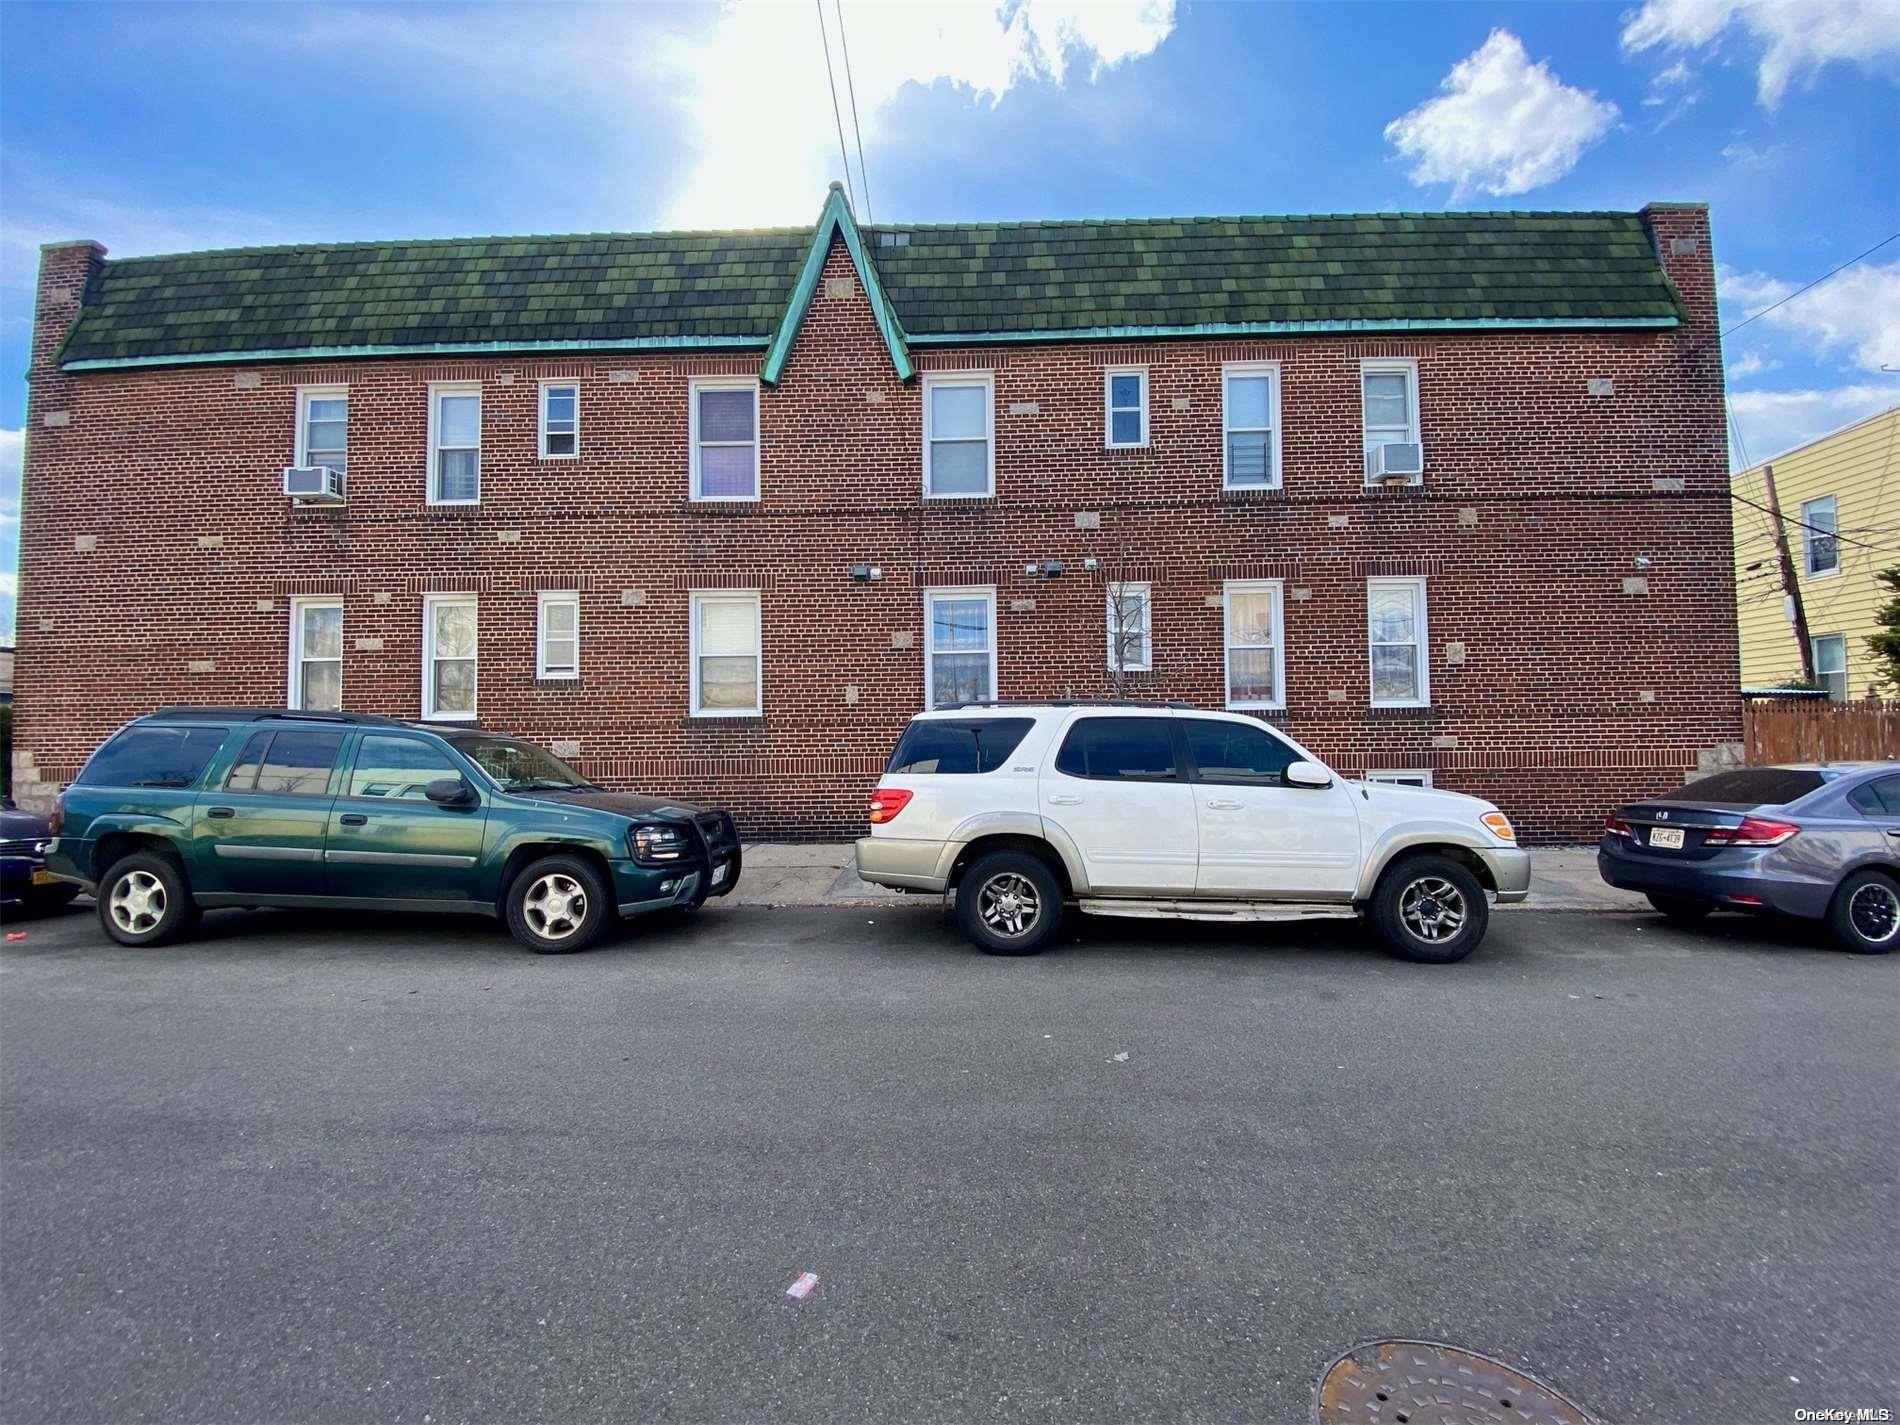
(826,873)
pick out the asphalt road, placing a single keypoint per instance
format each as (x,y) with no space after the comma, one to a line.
(345,1169)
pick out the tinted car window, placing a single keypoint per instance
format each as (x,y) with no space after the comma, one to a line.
(243,774)
(1234,752)
(1877,798)
(961,748)
(519,766)
(1125,749)
(398,768)
(153,757)
(1751,786)
(293,764)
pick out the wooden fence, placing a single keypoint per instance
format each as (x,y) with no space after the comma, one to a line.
(1867,731)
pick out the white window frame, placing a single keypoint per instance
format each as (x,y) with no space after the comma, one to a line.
(986,592)
(698,600)
(1401,776)
(1407,367)
(1845,672)
(1109,407)
(437,390)
(543,601)
(307,394)
(694,386)
(1132,586)
(294,701)
(1236,369)
(1276,587)
(1807,538)
(1423,642)
(987,380)
(430,603)
(541,418)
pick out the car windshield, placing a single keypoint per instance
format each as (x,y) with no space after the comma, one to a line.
(519,766)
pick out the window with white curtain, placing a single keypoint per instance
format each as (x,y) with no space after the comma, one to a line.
(316,655)
(959,435)
(1254,642)
(448,656)
(959,646)
(1395,637)
(726,654)
(725,439)
(558,635)
(455,444)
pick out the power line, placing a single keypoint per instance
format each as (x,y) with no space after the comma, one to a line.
(1809,287)
(1803,524)
(851,88)
(837,118)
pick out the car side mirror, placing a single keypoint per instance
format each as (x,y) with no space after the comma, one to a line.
(450,792)
(1307,774)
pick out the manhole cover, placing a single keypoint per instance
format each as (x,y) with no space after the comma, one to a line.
(1425,1383)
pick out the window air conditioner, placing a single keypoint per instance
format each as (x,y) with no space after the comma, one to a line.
(1397,461)
(314,484)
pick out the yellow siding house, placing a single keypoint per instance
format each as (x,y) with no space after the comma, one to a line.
(1840,504)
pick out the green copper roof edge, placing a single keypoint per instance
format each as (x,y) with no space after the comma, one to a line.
(1292,328)
(836,217)
(442,348)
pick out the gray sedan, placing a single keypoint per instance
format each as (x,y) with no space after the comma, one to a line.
(1819,841)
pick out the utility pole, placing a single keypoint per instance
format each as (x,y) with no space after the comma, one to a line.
(1790,585)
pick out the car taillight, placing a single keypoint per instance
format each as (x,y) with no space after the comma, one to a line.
(1754,831)
(886,803)
(58,819)
(1615,826)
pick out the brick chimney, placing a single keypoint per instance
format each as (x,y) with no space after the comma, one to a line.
(1680,232)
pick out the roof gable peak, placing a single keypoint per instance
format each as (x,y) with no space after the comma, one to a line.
(836,219)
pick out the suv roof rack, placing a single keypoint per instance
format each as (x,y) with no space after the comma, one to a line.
(266,714)
(1067,703)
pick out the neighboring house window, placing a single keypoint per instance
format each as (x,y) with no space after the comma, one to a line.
(1130,627)
(448,656)
(1250,423)
(1830,665)
(1407,778)
(1126,392)
(725,654)
(959,435)
(1819,541)
(455,444)
(560,420)
(725,439)
(316,655)
(558,636)
(1388,407)
(959,646)
(323,426)
(1254,644)
(1395,636)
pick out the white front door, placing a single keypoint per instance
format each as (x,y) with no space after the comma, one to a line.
(1116,789)
(1259,836)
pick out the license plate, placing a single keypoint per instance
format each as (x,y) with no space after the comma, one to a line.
(45,878)
(1666,838)
(719,874)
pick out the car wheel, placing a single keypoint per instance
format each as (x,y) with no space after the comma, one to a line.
(1684,910)
(1430,909)
(558,905)
(1009,903)
(144,900)
(1865,916)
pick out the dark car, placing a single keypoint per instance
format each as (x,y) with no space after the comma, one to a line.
(25,883)
(193,808)
(1818,842)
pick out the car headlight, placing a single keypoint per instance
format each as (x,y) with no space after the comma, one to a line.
(657,845)
(1499,825)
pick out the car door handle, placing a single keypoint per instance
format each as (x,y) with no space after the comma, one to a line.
(220,812)
(354,818)
(1893,831)
(1222,804)
(1064,799)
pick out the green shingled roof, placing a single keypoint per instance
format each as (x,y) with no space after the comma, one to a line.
(1020,280)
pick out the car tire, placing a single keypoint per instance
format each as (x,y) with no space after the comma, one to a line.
(1009,903)
(558,905)
(1429,909)
(1865,914)
(1683,910)
(144,899)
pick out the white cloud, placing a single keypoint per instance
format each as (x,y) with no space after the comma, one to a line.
(1855,314)
(1750,363)
(1503,125)
(1796,40)
(1773,422)
(9,584)
(12,447)
(1746,155)
(758,109)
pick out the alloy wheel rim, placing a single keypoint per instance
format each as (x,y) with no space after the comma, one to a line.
(1433,909)
(137,902)
(555,906)
(1875,913)
(1009,905)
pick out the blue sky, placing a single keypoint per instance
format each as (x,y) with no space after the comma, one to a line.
(192,127)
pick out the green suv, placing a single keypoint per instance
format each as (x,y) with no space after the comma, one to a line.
(192,808)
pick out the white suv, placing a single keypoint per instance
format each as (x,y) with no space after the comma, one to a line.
(1162,810)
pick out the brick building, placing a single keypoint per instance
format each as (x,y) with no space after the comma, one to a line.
(1442,495)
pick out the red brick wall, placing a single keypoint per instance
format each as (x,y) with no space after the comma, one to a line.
(1537,500)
